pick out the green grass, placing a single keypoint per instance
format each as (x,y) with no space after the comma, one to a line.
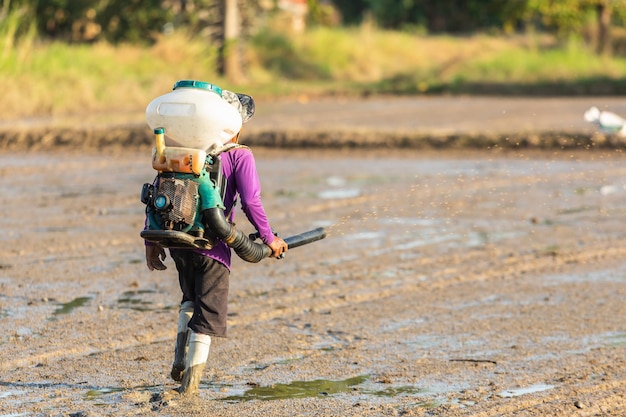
(56,78)
(564,64)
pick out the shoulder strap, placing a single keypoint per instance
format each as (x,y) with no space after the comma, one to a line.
(230,147)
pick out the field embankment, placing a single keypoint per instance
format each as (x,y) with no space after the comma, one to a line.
(444,122)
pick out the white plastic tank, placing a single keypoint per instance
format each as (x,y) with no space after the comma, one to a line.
(194,115)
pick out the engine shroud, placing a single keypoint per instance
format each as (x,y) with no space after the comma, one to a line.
(180,202)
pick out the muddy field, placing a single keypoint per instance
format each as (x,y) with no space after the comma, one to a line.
(474,284)
(451,283)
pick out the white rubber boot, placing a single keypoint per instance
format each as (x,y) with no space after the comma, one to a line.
(197,356)
(182,337)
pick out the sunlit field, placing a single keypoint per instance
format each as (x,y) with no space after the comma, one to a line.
(56,78)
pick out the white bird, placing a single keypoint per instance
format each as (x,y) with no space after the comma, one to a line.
(607,121)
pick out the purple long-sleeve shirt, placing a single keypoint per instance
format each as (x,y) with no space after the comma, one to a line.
(242,179)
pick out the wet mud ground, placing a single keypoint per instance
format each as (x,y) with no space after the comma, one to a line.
(450,284)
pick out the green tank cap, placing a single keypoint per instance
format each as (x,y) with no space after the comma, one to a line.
(198,84)
(159,130)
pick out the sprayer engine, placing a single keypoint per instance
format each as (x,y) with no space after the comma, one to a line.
(185,203)
(174,201)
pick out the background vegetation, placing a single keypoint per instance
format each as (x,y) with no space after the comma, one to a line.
(72,56)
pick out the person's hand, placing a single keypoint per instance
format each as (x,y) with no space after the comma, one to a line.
(155,254)
(279,247)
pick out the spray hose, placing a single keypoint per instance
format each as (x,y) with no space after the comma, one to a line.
(243,245)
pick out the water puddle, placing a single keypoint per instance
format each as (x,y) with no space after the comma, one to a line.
(51,229)
(96,393)
(322,388)
(576,210)
(402,325)
(523,391)
(8,394)
(608,275)
(104,268)
(336,181)
(67,308)
(339,194)
(397,391)
(429,231)
(106,395)
(298,389)
(17,399)
(134,300)
(423,342)
(616,339)
(281,361)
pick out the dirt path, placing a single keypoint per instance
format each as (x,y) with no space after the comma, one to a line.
(436,114)
(468,284)
(410,122)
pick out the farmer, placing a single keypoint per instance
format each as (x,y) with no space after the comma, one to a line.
(204,274)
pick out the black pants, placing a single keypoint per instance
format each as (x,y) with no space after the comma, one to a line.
(204,281)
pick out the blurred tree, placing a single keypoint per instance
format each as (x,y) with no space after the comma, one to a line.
(200,17)
(136,21)
(232,33)
(226,27)
(567,17)
(436,16)
(59,18)
(113,20)
(225,24)
(322,13)
(562,17)
(604,12)
(352,11)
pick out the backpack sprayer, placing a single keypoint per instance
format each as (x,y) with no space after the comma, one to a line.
(193,125)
